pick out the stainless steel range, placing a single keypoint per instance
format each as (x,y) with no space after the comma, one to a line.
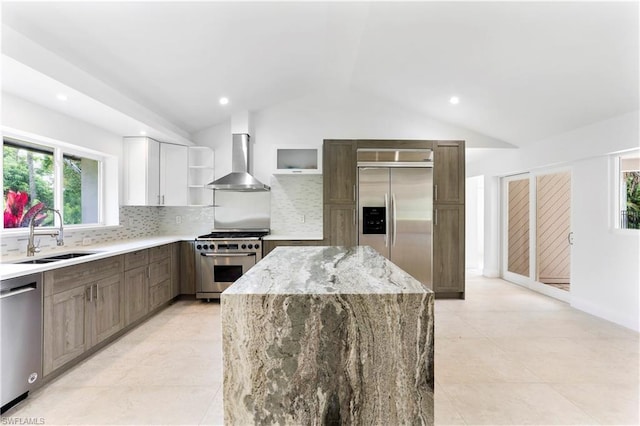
(224,256)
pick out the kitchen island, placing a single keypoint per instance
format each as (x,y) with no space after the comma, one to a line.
(327,335)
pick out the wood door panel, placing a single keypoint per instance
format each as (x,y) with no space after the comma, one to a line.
(109,312)
(136,294)
(448,249)
(65,333)
(449,172)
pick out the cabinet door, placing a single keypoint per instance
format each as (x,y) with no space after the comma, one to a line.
(174,174)
(159,294)
(339,175)
(108,317)
(340,225)
(65,332)
(448,172)
(159,271)
(136,294)
(141,171)
(448,249)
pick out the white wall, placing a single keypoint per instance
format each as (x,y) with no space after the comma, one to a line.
(604,262)
(605,276)
(309,120)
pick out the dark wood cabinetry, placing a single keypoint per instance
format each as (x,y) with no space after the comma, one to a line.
(449,222)
(448,250)
(339,179)
(339,175)
(448,172)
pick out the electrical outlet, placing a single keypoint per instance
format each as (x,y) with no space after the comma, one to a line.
(178,220)
(86,241)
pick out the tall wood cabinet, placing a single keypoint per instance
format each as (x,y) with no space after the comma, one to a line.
(448,219)
(339,185)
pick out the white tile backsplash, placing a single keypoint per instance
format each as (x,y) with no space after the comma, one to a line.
(292,197)
(295,197)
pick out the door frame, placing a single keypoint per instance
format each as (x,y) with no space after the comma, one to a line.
(529,281)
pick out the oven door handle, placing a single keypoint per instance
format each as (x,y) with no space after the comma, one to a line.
(227,254)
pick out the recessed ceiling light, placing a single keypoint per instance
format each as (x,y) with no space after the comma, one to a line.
(454,100)
(224,101)
(62,97)
(142,132)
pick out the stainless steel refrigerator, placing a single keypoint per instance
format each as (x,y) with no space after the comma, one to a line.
(395,209)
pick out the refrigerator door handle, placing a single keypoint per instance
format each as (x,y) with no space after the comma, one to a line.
(386,222)
(395,222)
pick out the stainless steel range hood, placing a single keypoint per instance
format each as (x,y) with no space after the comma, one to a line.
(239,179)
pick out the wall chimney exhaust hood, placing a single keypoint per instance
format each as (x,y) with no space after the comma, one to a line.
(239,179)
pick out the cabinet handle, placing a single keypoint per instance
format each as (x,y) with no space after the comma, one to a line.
(354,217)
(435,192)
(158,198)
(435,217)
(148,271)
(90,293)
(96,293)
(354,193)
(163,199)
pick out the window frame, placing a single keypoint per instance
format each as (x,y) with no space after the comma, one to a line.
(616,211)
(60,149)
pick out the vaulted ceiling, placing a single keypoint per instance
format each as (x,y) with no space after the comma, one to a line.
(522,70)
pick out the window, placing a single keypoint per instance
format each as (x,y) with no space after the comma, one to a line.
(629,194)
(40,177)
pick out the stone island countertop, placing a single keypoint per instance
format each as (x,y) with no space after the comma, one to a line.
(327,335)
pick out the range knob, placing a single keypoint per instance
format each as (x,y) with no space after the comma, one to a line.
(257,246)
(211,246)
(244,246)
(199,246)
(250,246)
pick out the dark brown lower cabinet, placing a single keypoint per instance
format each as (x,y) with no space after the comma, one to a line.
(340,225)
(448,251)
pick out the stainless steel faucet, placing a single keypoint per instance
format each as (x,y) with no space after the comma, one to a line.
(58,234)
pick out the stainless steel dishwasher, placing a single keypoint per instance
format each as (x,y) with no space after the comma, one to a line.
(21,338)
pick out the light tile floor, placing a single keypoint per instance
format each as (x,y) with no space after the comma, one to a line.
(505,355)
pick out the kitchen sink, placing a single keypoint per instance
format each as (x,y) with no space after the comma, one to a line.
(35,261)
(56,258)
(70,255)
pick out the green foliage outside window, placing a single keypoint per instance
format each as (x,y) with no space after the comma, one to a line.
(631,217)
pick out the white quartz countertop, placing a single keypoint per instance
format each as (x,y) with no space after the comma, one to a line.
(280,237)
(102,251)
(325,270)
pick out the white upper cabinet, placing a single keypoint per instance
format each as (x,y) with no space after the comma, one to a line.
(173,174)
(155,173)
(303,160)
